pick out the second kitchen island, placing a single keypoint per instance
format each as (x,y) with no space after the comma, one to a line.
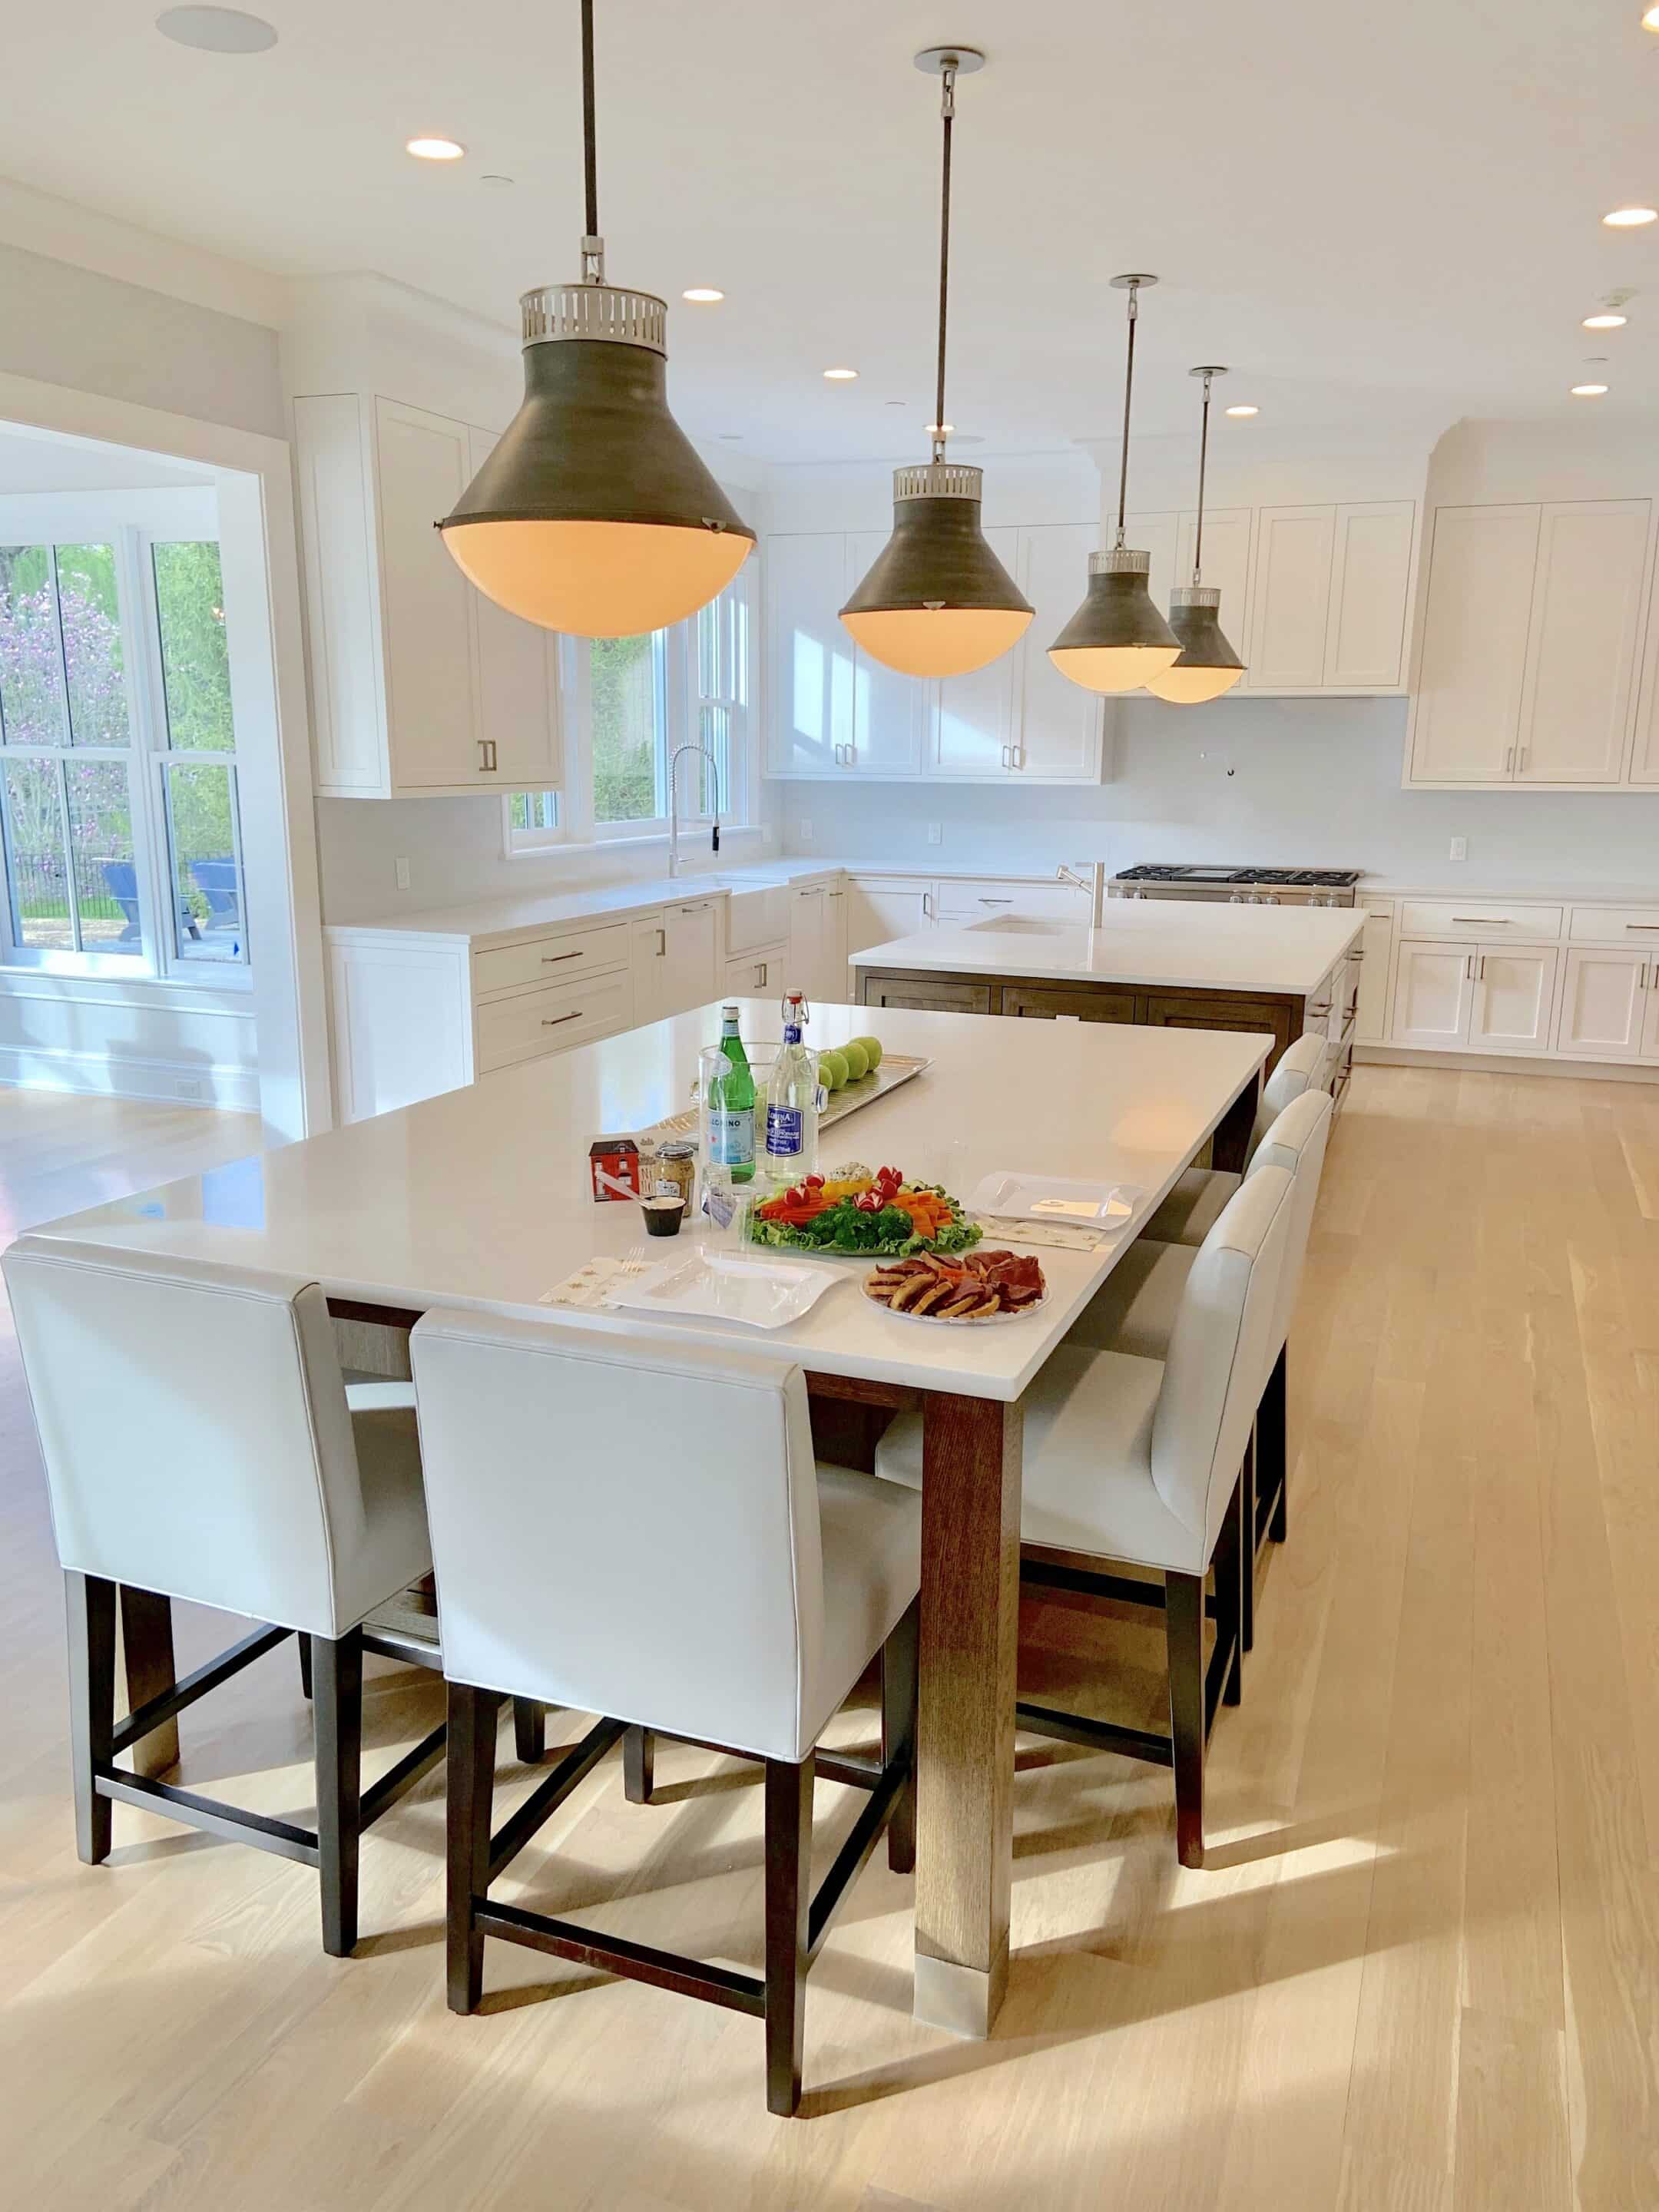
(1283,970)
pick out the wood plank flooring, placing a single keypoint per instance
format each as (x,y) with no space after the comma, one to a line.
(1420,1973)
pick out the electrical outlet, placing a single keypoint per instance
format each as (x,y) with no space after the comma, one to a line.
(936,833)
(402,875)
(1460,848)
(806,831)
(188,1086)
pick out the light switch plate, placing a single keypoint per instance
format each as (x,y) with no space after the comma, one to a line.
(402,875)
(1460,848)
(806,831)
(936,833)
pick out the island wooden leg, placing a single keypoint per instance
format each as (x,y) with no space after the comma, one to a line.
(970,1491)
(1230,1147)
(147,1655)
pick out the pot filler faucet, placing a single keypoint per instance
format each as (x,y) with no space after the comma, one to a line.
(1094,882)
(674,803)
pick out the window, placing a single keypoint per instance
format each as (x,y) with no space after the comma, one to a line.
(628,718)
(118,776)
(533,820)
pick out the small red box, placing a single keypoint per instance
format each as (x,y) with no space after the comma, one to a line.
(614,1163)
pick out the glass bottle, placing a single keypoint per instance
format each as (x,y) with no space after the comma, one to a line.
(792,1102)
(731,1108)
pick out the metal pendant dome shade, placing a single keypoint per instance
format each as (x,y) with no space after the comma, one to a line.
(593,513)
(1117,641)
(938,602)
(1208,665)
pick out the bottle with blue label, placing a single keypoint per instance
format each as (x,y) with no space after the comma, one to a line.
(731,1107)
(792,1101)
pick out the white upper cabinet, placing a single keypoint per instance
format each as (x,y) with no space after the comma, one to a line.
(973,726)
(1058,726)
(1475,632)
(1226,565)
(1581,662)
(1371,584)
(891,714)
(519,726)
(1531,642)
(1293,546)
(810,655)
(419,684)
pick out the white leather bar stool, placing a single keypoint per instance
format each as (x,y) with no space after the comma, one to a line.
(197,1444)
(636,1527)
(1136,1307)
(1137,1459)
(1189,1212)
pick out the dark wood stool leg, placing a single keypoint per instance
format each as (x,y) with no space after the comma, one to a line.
(1271,1424)
(89,1603)
(1246,1598)
(898,1734)
(1231,1581)
(1183,1616)
(147,1650)
(788,1898)
(639,1766)
(304,1643)
(337,1720)
(471,1789)
(529,1731)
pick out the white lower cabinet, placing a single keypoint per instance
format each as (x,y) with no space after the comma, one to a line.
(1486,997)
(882,907)
(689,953)
(1434,988)
(754,975)
(1606,1004)
(817,957)
(1377,955)
(528,1024)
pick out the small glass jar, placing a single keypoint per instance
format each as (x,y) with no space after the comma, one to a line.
(674,1172)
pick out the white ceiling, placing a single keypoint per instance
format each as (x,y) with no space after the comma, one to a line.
(1383,216)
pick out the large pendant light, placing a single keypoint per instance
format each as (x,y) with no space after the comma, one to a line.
(593,513)
(936,601)
(1117,641)
(1208,665)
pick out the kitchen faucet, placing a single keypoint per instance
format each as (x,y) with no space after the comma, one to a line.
(674,804)
(1094,882)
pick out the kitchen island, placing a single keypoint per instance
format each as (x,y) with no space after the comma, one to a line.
(1284,970)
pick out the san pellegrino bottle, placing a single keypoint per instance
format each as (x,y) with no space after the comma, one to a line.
(792,1101)
(731,1107)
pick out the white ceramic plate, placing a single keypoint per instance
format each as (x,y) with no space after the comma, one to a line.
(949,1321)
(766,1292)
(1011,1196)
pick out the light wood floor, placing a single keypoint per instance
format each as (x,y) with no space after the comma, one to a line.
(1421,1973)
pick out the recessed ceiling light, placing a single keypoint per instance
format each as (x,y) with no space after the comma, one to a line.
(435,149)
(216,30)
(1630,218)
(1587,390)
(1650,19)
(1608,322)
(704,294)
(1243,410)
(840,376)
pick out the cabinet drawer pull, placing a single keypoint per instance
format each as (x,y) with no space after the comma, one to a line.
(1485,921)
(1641,925)
(662,944)
(486,755)
(1509,760)
(562,1020)
(999,901)
(552,959)
(1468,968)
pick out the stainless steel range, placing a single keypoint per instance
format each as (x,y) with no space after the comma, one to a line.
(1205,879)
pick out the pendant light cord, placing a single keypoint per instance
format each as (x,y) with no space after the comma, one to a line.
(1203,462)
(1128,392)
(948,111)
(592,244)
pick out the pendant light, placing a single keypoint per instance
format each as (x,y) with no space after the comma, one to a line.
(1117,641)
(1208,665)
(593,513)
(936,601)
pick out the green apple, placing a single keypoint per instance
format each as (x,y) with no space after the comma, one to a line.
(858,1061)
(832,1066)
(871,1050)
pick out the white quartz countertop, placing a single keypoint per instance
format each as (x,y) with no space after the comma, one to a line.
(1193,946)
(1529,889)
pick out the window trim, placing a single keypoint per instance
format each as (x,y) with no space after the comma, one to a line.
(131,524)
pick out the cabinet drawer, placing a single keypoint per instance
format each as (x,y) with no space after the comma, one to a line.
(752,974)
(923,995)
(983,900)
(550,959)
(1636,927)
(1477,917)
(1046,1002)
(532,1022)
